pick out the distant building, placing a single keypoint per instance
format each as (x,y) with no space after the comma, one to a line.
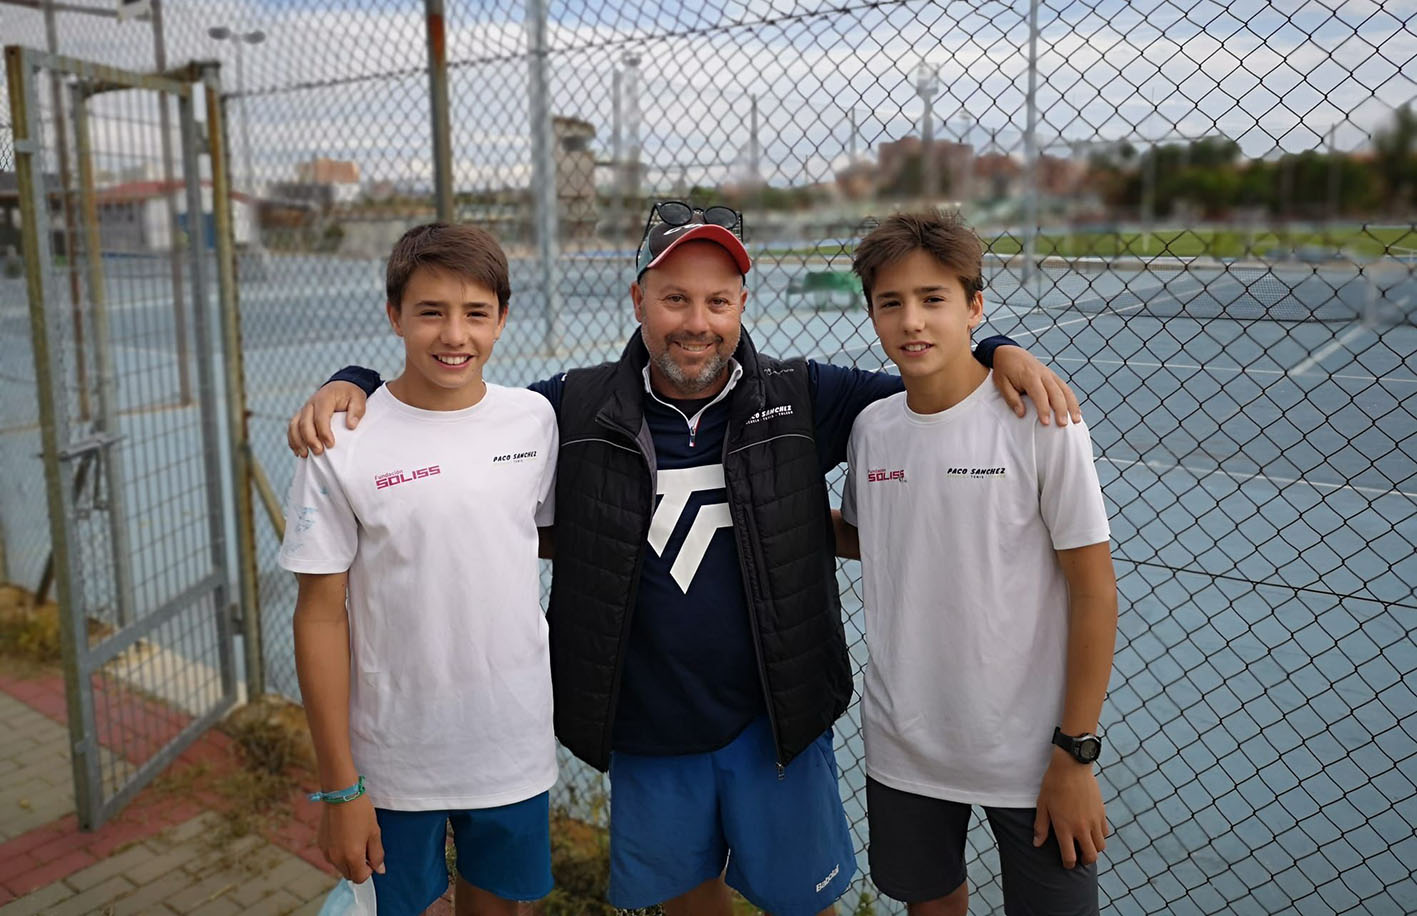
(899,169)
(302,194)
(997,175)
(575,177)
(10,225)
(338,179)
(1059,176)
(132,217)
(857,181)
(952,162)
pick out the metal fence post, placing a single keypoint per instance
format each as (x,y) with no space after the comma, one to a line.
(543,172)
(206,384)
(110,451)
(438,114)
(71,232)
(179,305)
(1030,139)
(238,433)
(53,423)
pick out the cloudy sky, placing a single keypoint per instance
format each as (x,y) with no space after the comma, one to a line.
(343,78)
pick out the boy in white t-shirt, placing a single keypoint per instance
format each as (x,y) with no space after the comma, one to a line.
(429,693)
(991,604)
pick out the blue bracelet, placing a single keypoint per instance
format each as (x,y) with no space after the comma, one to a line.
(340,796)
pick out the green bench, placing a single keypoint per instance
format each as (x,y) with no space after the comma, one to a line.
(828,289)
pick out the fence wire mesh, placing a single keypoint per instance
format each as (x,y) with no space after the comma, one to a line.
(1201,214)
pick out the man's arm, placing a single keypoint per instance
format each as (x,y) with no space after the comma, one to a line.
(839,393)
(1018,372)
(309,431)
(349,832)
(1070,800)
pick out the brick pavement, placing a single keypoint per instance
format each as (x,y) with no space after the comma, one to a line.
(166,853)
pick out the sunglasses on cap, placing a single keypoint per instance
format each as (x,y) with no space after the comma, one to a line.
(678,213)
(675,217)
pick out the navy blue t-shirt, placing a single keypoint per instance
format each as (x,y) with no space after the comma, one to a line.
(690,682)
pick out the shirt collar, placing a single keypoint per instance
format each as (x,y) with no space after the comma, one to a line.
(734,374)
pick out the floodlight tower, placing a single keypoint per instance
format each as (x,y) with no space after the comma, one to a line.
(927,86)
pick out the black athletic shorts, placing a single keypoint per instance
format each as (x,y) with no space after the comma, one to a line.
(917,854)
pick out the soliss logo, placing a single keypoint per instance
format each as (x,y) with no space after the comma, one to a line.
(876,475)
(394,478)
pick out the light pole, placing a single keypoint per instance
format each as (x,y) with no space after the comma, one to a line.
(927,86)
(630,85)
(222,33)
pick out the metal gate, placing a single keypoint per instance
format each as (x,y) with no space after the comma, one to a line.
(136,441)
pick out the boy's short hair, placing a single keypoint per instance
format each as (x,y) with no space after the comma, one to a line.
(458,247)
(944,234)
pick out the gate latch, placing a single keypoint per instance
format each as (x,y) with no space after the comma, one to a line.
(95,443)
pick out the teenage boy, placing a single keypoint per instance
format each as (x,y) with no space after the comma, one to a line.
(991,605)
(429,693)
(696,634)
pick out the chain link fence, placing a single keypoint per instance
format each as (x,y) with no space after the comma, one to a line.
(1203,215)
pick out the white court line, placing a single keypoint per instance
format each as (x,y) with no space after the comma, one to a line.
(1233,370)
(1034,332)
(1318,355)
(1276,481)
(1020,311)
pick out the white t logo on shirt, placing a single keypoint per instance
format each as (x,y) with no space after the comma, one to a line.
(676,486)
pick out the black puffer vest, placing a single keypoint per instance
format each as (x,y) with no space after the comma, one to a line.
(777,498)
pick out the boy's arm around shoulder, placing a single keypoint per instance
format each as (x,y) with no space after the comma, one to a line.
(310,430)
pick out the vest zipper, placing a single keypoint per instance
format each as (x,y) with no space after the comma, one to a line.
(753,614)
(692,423)
(607,739)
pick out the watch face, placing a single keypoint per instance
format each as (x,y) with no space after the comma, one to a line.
(1088,749)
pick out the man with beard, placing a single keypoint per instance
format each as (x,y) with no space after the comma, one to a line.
(696,635)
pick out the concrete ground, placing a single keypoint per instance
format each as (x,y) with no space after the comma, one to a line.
(171,851)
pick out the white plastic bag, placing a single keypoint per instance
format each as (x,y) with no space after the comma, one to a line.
(349,899)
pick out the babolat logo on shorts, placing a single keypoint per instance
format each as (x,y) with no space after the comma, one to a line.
(514,456)
(975,473)
(393,478)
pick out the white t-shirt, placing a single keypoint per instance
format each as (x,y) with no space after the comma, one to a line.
(960,513)
(434,515)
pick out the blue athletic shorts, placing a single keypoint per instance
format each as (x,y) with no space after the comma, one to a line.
(505,851)
(675,821)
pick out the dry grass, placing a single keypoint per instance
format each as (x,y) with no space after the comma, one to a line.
(251,798)
(276,757)
(29,634)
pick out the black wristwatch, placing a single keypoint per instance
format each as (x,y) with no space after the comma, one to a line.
(1085,748)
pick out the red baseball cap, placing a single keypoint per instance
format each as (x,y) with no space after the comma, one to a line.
(663,239)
